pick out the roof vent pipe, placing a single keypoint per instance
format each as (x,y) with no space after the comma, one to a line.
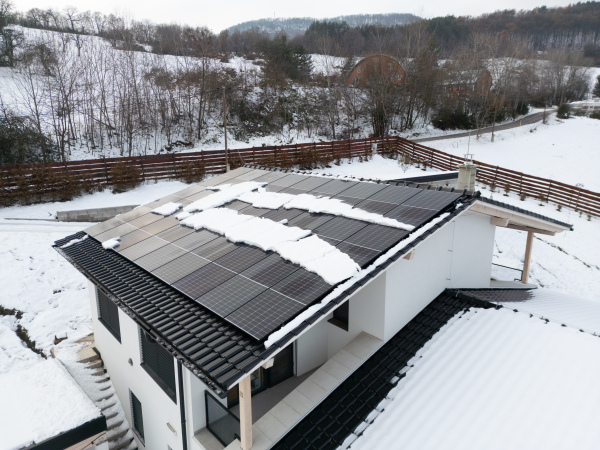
(467,173)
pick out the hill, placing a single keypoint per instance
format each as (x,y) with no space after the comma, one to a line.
(298,25)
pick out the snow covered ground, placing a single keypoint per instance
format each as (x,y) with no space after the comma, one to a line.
(495,379)
(563,150)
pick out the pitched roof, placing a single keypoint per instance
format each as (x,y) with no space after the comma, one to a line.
(524,211)
(173,280)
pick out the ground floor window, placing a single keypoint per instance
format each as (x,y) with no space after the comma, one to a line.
(137,417)
(108,314)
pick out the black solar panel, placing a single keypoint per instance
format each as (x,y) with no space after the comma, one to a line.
(362,190)
(250,175)
(236,205)
(142,248)
(270,270)
(375,207)
(264,314)
(144,220)
(411,215)
(172,234)
(436,200)
(293,191)
(361,255)
(308,221)
(203,280)
(195,239)
(288,180)
(274,188)
(215,249)
(270,177)
(164,223)
(252,211)
(134,213)
(277,215)
(340,228)
(377,237)
(333,187)
(180,267)
(241,258)
(175,198)
(229,296)
(190,190)
(115,232)
(160,257)
(350,200)
(199,195)
(104,226)
(129,239)
(394,194)
(303,286)
(310,183)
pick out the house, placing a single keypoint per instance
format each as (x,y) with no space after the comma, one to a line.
(466,83)
(373,67)
(243,311)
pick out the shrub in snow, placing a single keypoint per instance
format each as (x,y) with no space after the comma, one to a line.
(125,176)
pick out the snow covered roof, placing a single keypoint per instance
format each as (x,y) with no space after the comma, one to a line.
(252,259)
(464,374)
(41,401)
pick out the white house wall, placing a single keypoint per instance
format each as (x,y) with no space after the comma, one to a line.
(311,348)
(157,407)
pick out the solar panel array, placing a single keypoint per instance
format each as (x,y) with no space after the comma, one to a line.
(258,291)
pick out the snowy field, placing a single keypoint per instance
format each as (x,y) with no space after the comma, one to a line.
(562,150)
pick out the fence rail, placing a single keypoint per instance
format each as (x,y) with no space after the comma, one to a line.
(32,182)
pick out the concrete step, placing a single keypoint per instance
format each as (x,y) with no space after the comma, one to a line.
(110,415)
(96,365)
(106,397)
(103,379)
(108,405)
(114,425)
(105,388)
(98,372)
(123,445)
(115,434)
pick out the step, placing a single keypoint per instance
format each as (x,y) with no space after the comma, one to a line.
(98,372)
(103,379)
(106,397)
(109,405)
(110,415)
(123,445)
(105,388)
(117,434)
(114,425)
(96,365)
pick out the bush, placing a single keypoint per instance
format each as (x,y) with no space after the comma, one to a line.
(564,111)
(125,176)
(191,171)
(452,119)
(595,115)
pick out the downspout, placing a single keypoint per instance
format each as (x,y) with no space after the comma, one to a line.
(182,406)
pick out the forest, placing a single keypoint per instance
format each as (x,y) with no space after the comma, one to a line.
(95,83)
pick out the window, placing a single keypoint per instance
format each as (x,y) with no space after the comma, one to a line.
(137,417)
(108,314)
(340,316)
(158,362)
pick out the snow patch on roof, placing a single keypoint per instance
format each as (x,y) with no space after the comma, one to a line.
(74,241)
(514,382)
(226,194)
(111,243)
(312,253)
(275,336)
(167,209)
(264,199)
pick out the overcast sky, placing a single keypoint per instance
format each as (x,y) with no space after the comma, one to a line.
(220,14)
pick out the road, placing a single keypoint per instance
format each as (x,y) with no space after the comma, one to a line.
(532,118)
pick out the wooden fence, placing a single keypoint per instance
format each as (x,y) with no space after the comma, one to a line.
(49,180)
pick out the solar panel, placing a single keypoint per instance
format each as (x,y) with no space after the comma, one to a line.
(195,239)
(215,249)
(203,280)
(394,194)
(199,195)
(142,248)
(241,258)
(377,237)
(229,296)
(101,227)
(411,215)
(269,177)
(194,189)
(362,190)
(340,228)
(180,267)
(144,220)
(252,175)
(293,191)
(280,214)
(310,183)
(264,314)
(333,187)
(157,258)
(361,255)
(274,188)
(164,223)
(350,200)
(134,213)
(175,198)
(303,286)
(132,238)
(288,180)
(309,221)
(270,270)
(252,211)
(172,234)
(236,205)
(436,200)
(375,207)
(115,232)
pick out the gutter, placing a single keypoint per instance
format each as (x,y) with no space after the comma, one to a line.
(182,406)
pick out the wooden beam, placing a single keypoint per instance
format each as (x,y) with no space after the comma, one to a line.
(499,221)
(245,413)
(528,229)
(409,255)
(516,218)
(525,277)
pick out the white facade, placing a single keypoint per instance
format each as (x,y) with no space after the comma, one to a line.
(458,255)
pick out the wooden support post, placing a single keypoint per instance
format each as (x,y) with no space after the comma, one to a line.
(245,413)
(528,246)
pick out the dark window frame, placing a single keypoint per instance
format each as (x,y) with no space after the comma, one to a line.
(110,320)
(341,316)
(134,422)
(154,352)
